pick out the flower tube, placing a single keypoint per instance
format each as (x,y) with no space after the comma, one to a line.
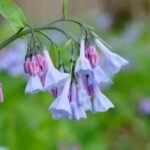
(101,102)
(78,111)
(114,62)
(61,106)
(53,76)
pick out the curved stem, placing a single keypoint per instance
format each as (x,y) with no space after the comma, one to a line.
(46,36)
(82,26)
(23,33)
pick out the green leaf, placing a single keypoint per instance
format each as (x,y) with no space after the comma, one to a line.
(12,13)
(65,9)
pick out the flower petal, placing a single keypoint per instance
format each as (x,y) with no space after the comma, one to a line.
(83,97)
(61,106)
(83,65)
(34,85)
(100,77)
(53,76)
(101,102)
(114,61)
(77,111)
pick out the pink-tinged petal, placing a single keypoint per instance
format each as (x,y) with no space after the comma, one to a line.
(54,92)
(1,93)
(88,86)
(60,108)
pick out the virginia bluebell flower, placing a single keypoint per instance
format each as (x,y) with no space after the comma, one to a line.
(34,85)
(114,62)
(53,77)
(78,111)
(101,102)
(144,107)
(61,105)
(83,65)
(83,96)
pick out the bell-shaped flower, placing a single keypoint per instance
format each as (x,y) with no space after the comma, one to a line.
(1,93)
(83,65)
(53,76)
(100,77)
(114,61)
(101,102)
(61,106)
(83,96)
(78,111)
(34,85)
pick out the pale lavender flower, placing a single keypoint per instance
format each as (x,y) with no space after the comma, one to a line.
(34,85)
(61,106)
(144,107)
(83,96)
(53,77)
(78,111)
(12,58)
(100,77)
(114,62)
(101,102)
(83,65)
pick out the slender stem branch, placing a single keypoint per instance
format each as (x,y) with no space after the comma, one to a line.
(46,36)
(21,34)
(82,26)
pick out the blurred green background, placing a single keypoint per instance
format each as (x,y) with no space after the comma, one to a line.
(26,124)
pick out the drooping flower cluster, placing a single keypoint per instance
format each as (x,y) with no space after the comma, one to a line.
(80,90)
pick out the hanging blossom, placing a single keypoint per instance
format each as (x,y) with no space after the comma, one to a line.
(1,93)
(80,89)
(114,62)
(35,66)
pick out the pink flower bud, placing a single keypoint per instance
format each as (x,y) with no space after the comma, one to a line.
(34,67)
(92,55)
(42,64)
(27,65)
(1,93)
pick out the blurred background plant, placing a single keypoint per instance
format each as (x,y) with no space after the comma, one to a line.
(25,122)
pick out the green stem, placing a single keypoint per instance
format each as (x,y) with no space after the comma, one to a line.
(82,26)
(21,34)
(65,9)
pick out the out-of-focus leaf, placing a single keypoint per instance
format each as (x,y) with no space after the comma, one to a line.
(12,13)
(5,30)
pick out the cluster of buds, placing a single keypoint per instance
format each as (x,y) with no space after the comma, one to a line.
(77,91)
